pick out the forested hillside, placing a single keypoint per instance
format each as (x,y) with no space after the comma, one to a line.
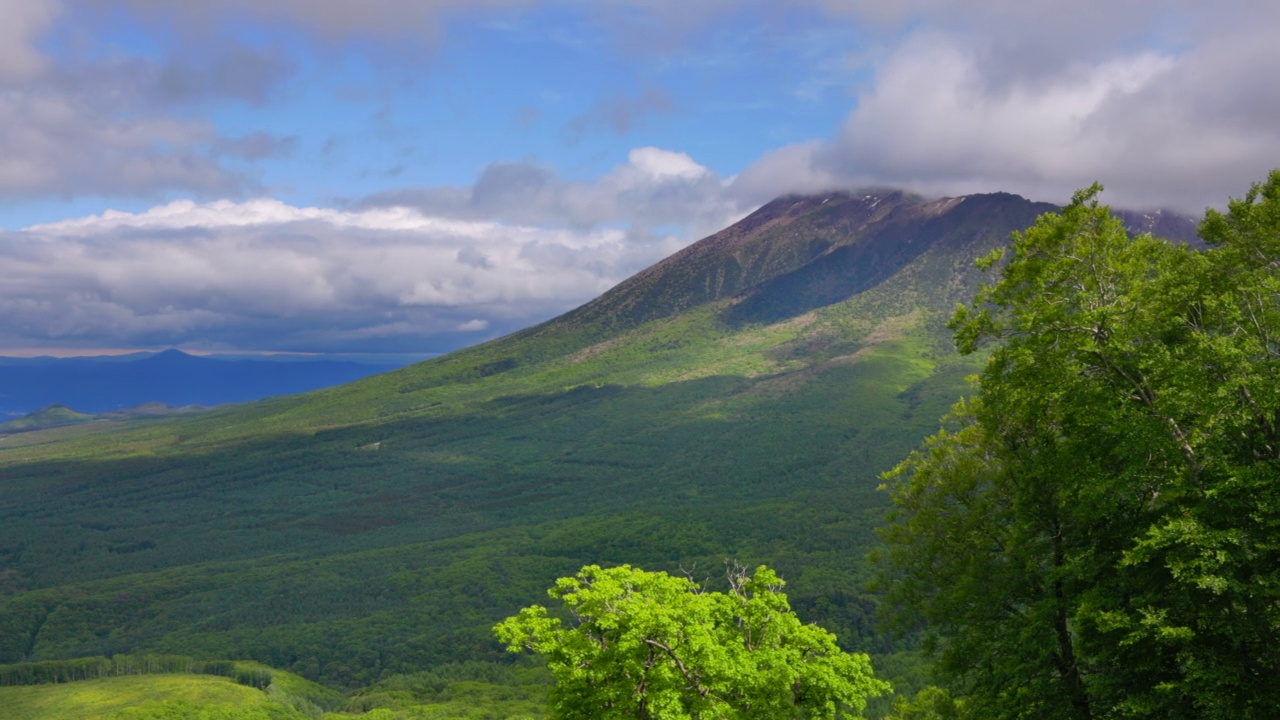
(738,400)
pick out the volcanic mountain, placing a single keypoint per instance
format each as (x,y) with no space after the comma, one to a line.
(736,400)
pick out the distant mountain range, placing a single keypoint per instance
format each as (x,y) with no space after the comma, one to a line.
(98,385)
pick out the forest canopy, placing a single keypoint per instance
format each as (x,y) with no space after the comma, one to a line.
(1097,532)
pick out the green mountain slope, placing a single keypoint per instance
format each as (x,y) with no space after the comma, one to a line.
(736,400)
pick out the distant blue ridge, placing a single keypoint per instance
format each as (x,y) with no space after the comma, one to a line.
(98,385)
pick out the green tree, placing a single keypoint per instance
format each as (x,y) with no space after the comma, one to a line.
(1097,533)
(650,645)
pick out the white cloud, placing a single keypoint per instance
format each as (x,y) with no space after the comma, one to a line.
(413,271)
(266,275)
(655,189)
(1171,109)
(656,163)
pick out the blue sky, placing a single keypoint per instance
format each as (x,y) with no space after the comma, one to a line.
(413,176)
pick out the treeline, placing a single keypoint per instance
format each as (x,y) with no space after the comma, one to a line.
(92,668)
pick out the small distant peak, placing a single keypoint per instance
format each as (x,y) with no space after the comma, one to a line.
(171,355)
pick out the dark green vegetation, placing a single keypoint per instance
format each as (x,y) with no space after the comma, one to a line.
(737,400)
(1097,535)
(650,645)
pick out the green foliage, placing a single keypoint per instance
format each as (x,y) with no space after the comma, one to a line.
(650,645)
(457,691)
(1095,535)
(931,703)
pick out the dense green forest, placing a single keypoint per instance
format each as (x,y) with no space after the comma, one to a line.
(369,537)
(1096,534)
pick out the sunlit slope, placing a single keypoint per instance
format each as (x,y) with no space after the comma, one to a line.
(145,697)
(738,400)
(172,688)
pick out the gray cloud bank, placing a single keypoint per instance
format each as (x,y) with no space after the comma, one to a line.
(120,125)
(1169,104)
(263,275)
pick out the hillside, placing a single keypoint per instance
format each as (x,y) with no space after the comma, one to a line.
(738,399)
(152,687)
(46,417)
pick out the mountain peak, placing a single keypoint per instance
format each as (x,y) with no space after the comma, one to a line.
(169,357)
(800,252)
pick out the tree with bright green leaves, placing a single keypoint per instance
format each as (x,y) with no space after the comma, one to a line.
(1096,533)
(650,645)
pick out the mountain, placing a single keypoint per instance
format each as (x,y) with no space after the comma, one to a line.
(737,400)
(99,385)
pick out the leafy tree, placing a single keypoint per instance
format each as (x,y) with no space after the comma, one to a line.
(1097,533)
(650,645)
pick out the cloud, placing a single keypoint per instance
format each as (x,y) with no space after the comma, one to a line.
(258,146)
(24,22)
(234,72)
(1172,110)
(266,275)
(619,113)
(656,189)
(417,270)
(94,120)
(54,144)
(336,20)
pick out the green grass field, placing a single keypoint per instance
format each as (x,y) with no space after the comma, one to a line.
(171,687)
(139,697)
